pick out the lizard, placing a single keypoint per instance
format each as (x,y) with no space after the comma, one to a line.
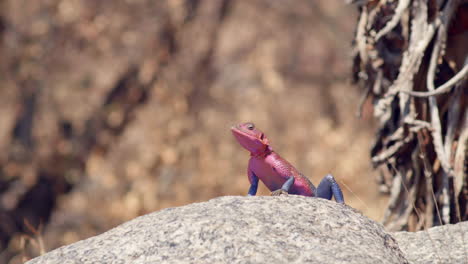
(278,175)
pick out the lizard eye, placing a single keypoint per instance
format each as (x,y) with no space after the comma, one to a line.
(250,126)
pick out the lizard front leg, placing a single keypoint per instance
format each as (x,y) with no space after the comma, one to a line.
(253,183)
(285,188)
(328,187)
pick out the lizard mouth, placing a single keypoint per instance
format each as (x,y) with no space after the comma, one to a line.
(238,130)
(241,133)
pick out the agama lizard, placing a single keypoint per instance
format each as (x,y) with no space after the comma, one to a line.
(277,173)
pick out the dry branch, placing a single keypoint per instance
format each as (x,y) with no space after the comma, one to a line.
(402,53)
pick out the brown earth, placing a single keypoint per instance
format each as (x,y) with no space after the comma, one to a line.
(110,110)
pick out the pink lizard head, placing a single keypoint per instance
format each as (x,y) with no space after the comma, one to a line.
(251,138)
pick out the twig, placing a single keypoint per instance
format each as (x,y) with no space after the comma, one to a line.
(389,152)
(402,6)
(434,111)
(461,156)
(442,25)
(362,100)
(419,216)
(37,238)
(428,174)
(421,36)
(416,125)
(452,120)
(463,73)
(439,149)
(351,191)
(360,37)
(395,194)
(411,192)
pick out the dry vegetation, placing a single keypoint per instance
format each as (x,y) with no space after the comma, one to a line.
(412,60)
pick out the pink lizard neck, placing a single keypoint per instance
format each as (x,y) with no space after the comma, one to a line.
(262,153)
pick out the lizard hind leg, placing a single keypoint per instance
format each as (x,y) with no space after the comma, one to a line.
(285,188)
(328,187)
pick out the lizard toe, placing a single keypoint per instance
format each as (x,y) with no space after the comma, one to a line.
(279,192)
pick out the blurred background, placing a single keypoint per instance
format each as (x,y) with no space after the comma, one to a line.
(114,109)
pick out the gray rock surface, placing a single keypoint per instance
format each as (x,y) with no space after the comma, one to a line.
(442,244)
(240,230)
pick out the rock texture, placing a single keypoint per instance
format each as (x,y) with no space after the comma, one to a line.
(442,244)
(240,230)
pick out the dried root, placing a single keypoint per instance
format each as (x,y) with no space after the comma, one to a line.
(411,58)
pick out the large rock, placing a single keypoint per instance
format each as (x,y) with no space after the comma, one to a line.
(442,244)
(240,230)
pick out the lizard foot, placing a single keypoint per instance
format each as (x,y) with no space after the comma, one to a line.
(279,192)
